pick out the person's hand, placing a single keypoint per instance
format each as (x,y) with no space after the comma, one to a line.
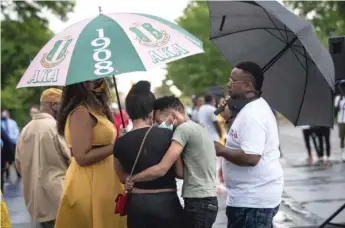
(218,148)
(223,102)
(226,114)
(180,118)
(122,131)
(129,184)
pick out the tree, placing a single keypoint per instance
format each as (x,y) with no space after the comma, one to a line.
(163,90)
(194,74)
(23,33)
(328,17)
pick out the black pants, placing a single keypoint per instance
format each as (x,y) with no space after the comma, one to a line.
(49,224)
(3,171)
(154,210)
(200,212)
(307,134)
(323,134)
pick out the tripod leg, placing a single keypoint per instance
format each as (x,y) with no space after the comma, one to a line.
(332,217)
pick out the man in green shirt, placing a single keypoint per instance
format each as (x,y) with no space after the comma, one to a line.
(190,140)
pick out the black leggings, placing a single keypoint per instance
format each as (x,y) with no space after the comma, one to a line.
(154,210)
(307,133)
(323,133)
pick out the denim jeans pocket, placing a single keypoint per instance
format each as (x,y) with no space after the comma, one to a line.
(199,214)
(210,214)
(264,217)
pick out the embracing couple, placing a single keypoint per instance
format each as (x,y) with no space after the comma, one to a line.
(169,146)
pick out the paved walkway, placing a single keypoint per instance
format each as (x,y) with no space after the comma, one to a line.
(313,191)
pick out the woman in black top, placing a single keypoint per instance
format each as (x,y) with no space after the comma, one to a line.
(152,204)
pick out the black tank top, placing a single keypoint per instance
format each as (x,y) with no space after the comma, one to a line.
(157,144)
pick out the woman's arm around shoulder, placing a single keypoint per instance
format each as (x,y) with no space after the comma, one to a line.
(179,168)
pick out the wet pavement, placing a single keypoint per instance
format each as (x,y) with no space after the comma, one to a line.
(19,216)
(311,192)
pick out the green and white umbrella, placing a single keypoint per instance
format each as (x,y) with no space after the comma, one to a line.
(108,45)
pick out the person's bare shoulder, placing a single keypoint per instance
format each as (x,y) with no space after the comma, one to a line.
(80,114)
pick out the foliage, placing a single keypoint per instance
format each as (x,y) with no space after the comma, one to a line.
(24,10)
(327,17)
(195,74)
(23,33)
(163,90)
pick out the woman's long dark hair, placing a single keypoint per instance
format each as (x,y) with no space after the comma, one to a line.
(76,95)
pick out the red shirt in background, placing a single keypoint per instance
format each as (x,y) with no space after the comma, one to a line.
(118,122)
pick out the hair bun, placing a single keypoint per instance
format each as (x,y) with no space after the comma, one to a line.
(142,87)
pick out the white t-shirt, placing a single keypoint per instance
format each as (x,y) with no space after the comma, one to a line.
(254,131)
(207,118)
(341,105)
(195,115)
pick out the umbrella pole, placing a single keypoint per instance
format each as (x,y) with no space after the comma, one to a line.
(118,101)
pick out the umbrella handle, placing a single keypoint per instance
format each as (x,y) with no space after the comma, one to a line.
(118,101)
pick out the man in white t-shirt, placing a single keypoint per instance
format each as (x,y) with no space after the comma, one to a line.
(199,101)
(208,119)
(252,172)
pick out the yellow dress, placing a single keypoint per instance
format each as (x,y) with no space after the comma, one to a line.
(5,219)
(89,191)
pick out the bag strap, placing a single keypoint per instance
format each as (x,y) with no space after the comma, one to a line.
(139,152)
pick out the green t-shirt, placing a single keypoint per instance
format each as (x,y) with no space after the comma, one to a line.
(199,157)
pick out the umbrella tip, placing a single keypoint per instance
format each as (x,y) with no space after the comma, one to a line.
(99,9)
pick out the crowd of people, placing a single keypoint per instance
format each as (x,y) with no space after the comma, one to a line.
(320,136)
(74,160)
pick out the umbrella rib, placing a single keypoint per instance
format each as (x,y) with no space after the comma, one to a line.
(297,58)
(302,54)
(222,24)
(275,36)
(278,55)
(244,30)
(274,24)
(297,46)
(305,88)
(287,37)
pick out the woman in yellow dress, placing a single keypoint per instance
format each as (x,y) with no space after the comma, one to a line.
(91,184)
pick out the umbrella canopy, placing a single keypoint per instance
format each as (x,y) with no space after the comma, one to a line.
(107,45)
(299,71)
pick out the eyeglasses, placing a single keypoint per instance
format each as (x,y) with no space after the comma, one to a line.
(252,79)
(232,81)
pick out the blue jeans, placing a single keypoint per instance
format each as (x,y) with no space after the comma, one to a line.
(242,217)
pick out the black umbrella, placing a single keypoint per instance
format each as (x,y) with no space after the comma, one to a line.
(299,72)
